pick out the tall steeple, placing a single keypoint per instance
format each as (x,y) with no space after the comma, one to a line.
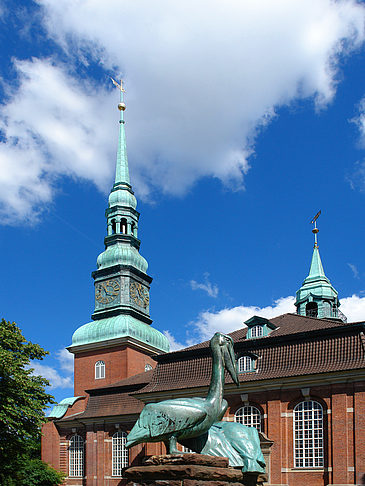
(121,280)
(317,297)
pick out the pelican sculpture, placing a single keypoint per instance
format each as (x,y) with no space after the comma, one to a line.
(184,418)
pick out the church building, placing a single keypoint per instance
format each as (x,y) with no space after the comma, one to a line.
(301,376)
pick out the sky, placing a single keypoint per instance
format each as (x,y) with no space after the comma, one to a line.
(243,120)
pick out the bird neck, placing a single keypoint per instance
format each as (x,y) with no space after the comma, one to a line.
(216,386)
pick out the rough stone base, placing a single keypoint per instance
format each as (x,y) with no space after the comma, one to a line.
(189,470)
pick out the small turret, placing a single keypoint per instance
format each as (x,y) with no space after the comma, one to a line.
(317,297)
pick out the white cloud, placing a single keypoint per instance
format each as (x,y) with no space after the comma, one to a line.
(211,289)
(202,78)
(229,319)
(53,125)
(66,360)
(52,375)
(354,271)
(174,344)
(354,308)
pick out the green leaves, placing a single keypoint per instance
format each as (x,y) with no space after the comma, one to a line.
(22,397)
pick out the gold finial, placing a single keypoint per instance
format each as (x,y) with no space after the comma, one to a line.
(315,230)
(121,105)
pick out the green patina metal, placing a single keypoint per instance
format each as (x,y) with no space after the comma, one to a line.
(196,422)
(121,281)
(118,327)
(121,254)
(59,410)
(317,297)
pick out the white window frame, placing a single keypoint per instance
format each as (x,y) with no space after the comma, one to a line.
(76,457)
(120,454)
(257,331)
(99,370)
(308,434)
(245,363)
(249,416)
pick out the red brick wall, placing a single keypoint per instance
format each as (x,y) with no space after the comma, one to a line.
(344,433)
(50,448)
(120,362)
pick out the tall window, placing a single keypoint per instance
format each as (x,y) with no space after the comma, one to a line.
(245,363)
(99,370)
(250,416)
(76,457)
(308,434)
(120,458)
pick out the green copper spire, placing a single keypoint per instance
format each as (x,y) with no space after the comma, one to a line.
(316,269)
(122,284)
(121,169)
(317,297)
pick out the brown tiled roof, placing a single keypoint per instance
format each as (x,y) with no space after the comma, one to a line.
(299,346)
(110,404)
(140,379)
(286,325)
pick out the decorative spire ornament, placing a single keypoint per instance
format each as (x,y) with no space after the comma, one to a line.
(315,230)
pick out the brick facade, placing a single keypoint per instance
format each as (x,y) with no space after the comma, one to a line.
(112,404)
(120,362)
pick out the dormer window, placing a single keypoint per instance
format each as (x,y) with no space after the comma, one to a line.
(245,364)
(257,331)
(258,327)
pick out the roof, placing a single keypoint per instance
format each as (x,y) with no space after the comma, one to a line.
(299,346)
(117,327)
(286,325)
(114,399)
(110,404)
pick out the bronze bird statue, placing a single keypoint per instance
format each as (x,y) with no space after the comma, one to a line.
(183,418)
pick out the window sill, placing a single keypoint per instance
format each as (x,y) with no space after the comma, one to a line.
(304,469)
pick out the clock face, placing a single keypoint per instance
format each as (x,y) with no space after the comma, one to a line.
(139,294)
(107,291)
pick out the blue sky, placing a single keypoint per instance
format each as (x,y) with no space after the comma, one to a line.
(243,120)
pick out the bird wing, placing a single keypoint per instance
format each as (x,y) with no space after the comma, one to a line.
(170,416)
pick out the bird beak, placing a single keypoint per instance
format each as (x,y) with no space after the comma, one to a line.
(230,363)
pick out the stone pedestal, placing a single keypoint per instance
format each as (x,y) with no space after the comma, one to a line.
(189,470)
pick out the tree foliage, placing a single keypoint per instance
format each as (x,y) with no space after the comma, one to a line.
(22,400)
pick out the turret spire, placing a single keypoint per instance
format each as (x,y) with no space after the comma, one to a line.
(317,297)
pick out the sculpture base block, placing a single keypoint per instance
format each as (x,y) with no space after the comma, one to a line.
(189,470)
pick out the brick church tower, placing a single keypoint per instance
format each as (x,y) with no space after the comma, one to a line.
(119,342)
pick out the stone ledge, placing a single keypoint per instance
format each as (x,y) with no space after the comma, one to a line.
(183,471)
(196,459)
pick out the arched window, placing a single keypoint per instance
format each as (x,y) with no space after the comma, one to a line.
(257,331)
(245,363)
(99,370)
(147,367)
(123,226)
(114,227)
(120,457)
(311,309)
(76,457)
(308,434)
(250,416)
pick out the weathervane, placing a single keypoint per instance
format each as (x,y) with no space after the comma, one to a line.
(121,104)
(315,229)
